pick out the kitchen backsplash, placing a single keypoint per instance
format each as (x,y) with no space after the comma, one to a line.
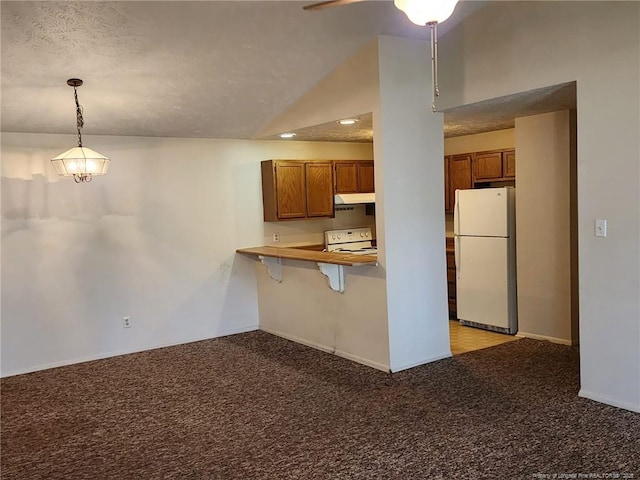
(311,232)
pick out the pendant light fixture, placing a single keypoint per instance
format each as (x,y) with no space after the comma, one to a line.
(429,12)
(81,162)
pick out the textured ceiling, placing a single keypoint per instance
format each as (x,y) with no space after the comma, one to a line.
(178,68)
(500,113)
(216,69)
(495,114)
(360,132)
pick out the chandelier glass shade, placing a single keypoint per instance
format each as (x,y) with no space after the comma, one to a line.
(80,162)
(429,12)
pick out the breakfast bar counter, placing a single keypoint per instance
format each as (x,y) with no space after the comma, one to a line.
(335,302)
(289,253)
(331,264)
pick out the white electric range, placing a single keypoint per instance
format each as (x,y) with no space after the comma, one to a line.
(356,241)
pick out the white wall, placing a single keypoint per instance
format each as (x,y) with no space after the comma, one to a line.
(511,47)
(544,226)
(410,200)
(155,239)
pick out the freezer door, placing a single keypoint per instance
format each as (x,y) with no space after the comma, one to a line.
(483,212)
(485,287)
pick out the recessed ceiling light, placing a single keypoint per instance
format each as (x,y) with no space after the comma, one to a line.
(287,135)
(348,121)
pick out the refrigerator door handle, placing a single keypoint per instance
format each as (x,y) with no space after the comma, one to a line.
(456,215)
(456,251)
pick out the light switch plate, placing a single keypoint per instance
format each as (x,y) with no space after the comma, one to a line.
(600,228)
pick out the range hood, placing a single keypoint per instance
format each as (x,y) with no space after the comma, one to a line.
(354,198)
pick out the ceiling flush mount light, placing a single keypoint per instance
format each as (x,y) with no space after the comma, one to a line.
(348,121)
(81,162)
(429,13)
(287,135)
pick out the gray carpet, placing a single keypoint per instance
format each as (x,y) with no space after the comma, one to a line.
(254,406)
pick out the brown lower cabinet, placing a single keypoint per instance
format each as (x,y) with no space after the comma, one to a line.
(293,189)
(451,278)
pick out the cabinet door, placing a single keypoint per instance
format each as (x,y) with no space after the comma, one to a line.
(366,179)
(290,189)
(346,177)
(487,166)
(319,189)
(459,175)
(509,159)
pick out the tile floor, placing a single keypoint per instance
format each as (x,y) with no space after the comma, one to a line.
(467,339)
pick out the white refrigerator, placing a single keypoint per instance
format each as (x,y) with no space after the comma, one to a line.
(484,228)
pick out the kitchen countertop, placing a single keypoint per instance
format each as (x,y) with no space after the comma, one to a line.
(311,256)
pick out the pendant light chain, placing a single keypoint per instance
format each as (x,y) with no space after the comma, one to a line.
(80,162)
(79,119)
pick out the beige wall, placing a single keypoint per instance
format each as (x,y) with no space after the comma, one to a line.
(543,227)
(303,308)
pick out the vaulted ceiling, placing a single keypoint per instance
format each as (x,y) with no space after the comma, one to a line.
(215,69)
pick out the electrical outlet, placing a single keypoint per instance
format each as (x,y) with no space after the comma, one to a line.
(126,322)
(276,237)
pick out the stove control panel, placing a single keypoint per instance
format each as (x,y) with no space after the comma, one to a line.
(350,235)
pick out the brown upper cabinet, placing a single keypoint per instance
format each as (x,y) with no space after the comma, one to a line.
(509,162)
(457,176)
(319,186)
(494,166)
(294,189)
(468,170)
(354,176)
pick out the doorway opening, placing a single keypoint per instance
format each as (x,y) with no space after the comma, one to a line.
(536,132)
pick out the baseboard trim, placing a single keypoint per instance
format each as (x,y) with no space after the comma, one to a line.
(102,356)
(327,349)
(609,401)
(422,362)
(561,341)
(363,361)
